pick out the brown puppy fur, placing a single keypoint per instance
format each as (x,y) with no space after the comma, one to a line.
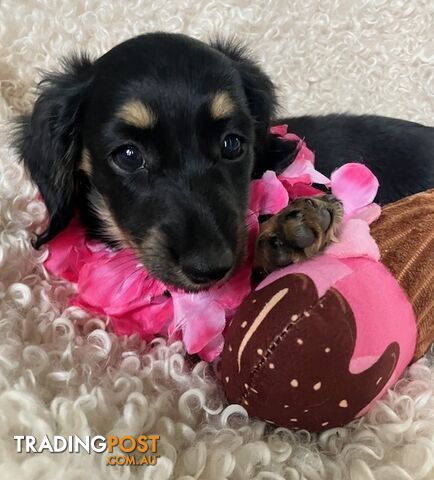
(298,232)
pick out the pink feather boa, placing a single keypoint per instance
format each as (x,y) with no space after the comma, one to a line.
(114,284)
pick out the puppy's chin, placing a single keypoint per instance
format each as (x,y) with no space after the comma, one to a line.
(171,274)
(157,259)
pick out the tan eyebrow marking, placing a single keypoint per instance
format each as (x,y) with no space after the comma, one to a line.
(137,114)
(222,105)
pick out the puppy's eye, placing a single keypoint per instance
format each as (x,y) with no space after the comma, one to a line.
(128,158)
(232,147)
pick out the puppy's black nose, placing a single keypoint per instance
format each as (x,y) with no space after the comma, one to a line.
(213,267)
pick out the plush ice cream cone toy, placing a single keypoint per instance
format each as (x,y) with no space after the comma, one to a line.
(405,236)
(317,342)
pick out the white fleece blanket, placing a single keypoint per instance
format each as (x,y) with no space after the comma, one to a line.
(61,372)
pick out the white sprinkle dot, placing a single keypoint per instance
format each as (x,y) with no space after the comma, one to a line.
(294,420)
(343,404)
(299,341)
(327,350)
(259,351)
(227,379)
(294,383)
(254,300)
(285,406)
(324,424)
(230,348)
(244,324)
(271,366)
(379,380)
(294,317)
(306,410)
(253,390)
(245,402)
(246,386)
(317,386)
(306,313)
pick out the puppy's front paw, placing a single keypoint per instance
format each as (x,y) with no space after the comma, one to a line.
(300,231)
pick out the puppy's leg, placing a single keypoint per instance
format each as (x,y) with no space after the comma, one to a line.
(300,231)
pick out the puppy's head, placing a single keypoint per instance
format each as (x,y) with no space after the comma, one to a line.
(154,143)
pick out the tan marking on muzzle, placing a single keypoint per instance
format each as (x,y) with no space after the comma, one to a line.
(222,105)
(85,163)
(153,242)
(110,228)
(156,242)
(137,114)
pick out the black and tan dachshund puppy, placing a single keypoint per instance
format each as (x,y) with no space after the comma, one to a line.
(154,145)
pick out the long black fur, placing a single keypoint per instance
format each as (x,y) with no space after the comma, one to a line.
(399,153)
(49,140)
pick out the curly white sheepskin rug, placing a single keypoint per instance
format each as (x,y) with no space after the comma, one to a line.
(62,372)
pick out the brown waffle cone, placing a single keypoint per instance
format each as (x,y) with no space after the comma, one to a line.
(405,236)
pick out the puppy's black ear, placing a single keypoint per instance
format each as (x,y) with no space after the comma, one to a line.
(48,140)
(259,89)
(271,153)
